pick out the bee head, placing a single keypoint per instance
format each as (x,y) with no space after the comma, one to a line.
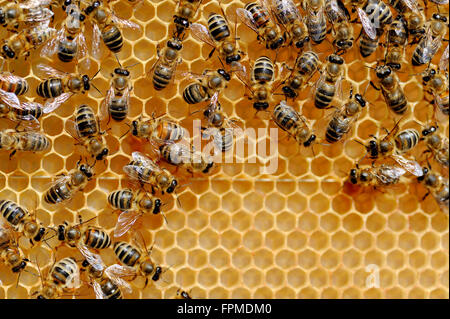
(427,77)
(429,130)
(172,186)
(311,139)
(86,82)
(299,44)
(157,274)
(277,43)
(224,74)
(353,176)
(86,170)
(8,52)
(61,232)
(260,106)
(208,167)
(175,44)
(437,16)
(147,267)
(181,22)
(40,234)
(364,176)
(121,71)
(383,71)
(288,92)
(233,58)
(73,234)
(102,154)
(360,100)
(20,266)
(157,208)
(336,59)
(134,128)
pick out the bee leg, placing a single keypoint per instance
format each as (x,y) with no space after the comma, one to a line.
(12,154)
(211,53)
(425,196)
(374,86)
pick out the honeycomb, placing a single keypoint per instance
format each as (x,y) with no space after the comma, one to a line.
(240,233)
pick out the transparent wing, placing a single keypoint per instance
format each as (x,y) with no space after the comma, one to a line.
(247,19)
(443,62)
(201,33)
(116,271)
(30,123)
(52,104)
(45,71)
(411,166)
(104,112)
(242,74)
(81,46)
(93,259)
(368,26)
(440,1)
(50,48)
(125,23)
(391,171)
(96,36)
(139,157)
(431,48)
(334,12)
(10,98)
(11,78)
(98,290)
(72,128)
(74,281)
(125,221)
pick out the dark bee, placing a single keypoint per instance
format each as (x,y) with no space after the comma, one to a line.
(185,13)
(180,155)
(397,37)
(330,81)
(165,66)
(436,82)
(210,84)
(437,145)
(28,141)
(384,175)
(437,185)
(10,253)
(305,67)
(13,83)
(315,19)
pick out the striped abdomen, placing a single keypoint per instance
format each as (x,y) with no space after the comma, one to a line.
(33,141)
(169,131)
(35,110)
(111,290)
(59,192)
(324,95)
(308,63)
(194,93)
(86,121)
(259,14)
(121,199)
(162,76)
(127,254)
(223,139)
(67,50)
(218,27)
(286,118)
(396,100)
(12,212)
(367,46)
(18,87)
(317,27)
(139,171)
(64,271)
(406,140)
(337,127)
(421,56)
(96,238)
(263,70)
(112,37)
(50,88)
(118,108)
(379,13)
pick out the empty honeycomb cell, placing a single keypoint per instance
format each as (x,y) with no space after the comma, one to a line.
(341,204)
(329,259)
(439,293)
(329,222)
(386,241)
(219,258)
(186,239)
(394,293)
(319,240)
(427,278)
(296,240)
(397,222)
(444,278)
(418,222)
(241,221)
(230,239)
(274,240)
(439,260)
(197,258)
(263,258)
(364,203)
(241,293)
(274,202)
(353,222)
(417,259)
(274,277)
(308,222)
(285,221)
(385,203)
(263,221)
(408,203)
(307,259)
(197,220)
(417,293)
(285,259)
(296,203)
(396,259)
(308,293)
(439,222)
(18,182)
(263,293)
(363,240)
(319,203)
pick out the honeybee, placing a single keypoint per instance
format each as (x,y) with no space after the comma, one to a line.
(181,156)
(397,37)
(431,41)
(287,14)
(393,145)
(22,221)
(32,12)
(144,170)
(22,43)
(315,19)
(343,118)
(209,84)
(86,130)
(329,83)
(106,26)
(437,145)
(255,16)
(10,253)
(16,111)
(60,86)
(367,46)
(106,281)
(165,67)
(182,294)
(27,141)
(184,14)
(63,276)
(338,16)
(293,123)
(133,205)
(436,185)
(305,67)
(13,84)
(69,42)
(66,186)
(435,82)
(390,87)
(381,176)
(117,100)
(217,35)
(414,18)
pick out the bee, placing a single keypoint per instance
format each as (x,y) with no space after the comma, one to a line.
(381,176)
(66,186)
(343,118)
(208,85)
(117,100)
(137,263)
(437,145)
(22,221)
(394,145)
(22,43)
(293,123)
(13,84)
(217,35)
(28,141)
(435,82)
(106,26)
(63,276)
(157,130)
(69,42)
(182,294)
(414,19)
(168,60)
(33,12)
(436,185)
(106,281)
(144,170)
(16,111)
(185,13)
(329,83)
(315,19)
(10,253)
(390,87)
(287,14)
(431,41)
(261,84)
(367,46)
(133,206)
(86,129)
(397,37)
(60,86)
(338,16)
(181,156)
(305,67)
(255,16)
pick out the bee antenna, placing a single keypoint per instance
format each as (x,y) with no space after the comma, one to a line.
(86,221)
(164,216)
(96,73)
(131,65)
(370,67)
(32,273)
(93,85)
(117,59)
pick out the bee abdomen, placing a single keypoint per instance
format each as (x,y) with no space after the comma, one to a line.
(67,50)
(324,95)
(406,140)
(367,46)
(263,70)
(96,238)
(64,270)
(118,109)
(218,27)
(126,253)
(168,131)
(161,76)
(18,88)
(35,142)
(50,88)
(58,193)
(259,14)
(396,101)
(112,37)
(86,121)
(194,93)
(121,199)
(335,131)
(12,212)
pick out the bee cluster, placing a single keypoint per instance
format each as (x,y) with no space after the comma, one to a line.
(295,84)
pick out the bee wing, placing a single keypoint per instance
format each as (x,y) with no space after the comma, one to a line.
(96,35)
(334,12)
(98,290)
(411,166)
(104,112)
(50,48)
(72,128)
(30,123)
(54,103)
(81,46)
(339,93)
(443,62)
(93,259)
(139,157)
(11,99)
(412,5)
(125,23)
(247,19)
(125,221)
(440,2)
(134,171)
(368,26)
(116,271)
(392,171)
(46,71)
(74,282)
(201,33)
(11,78)
(243,75)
